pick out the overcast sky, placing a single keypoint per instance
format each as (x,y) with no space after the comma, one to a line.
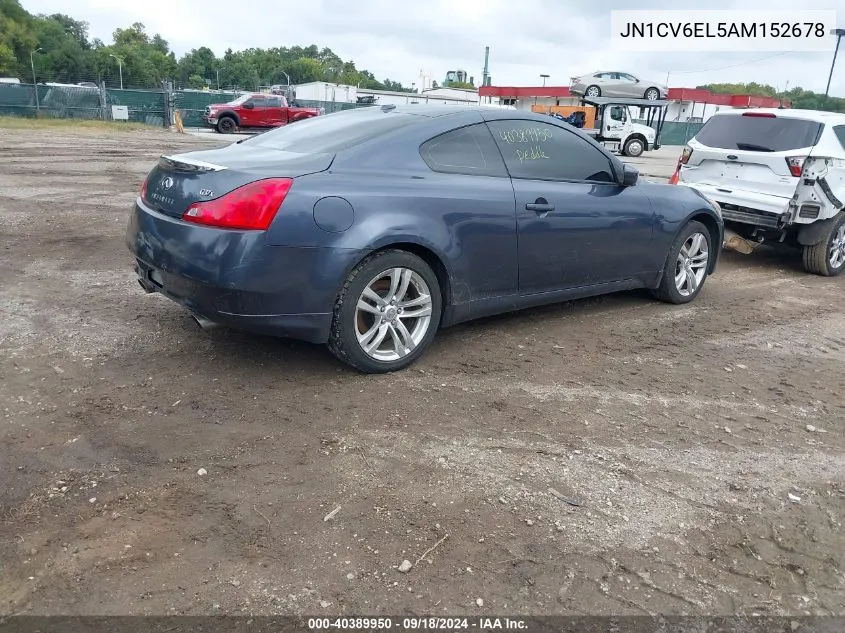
(398,39)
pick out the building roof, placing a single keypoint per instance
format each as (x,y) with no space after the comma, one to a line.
(697,95)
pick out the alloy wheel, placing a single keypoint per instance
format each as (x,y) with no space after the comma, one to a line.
(691,266)
(393,314)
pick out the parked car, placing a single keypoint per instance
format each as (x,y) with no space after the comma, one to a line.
(372,228)
(778,175)
(604,83)
(255,111)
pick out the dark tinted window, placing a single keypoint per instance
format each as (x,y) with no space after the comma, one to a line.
(546,152)
(758,134)
(258,102)
(839,130)
(468,150)
(333,132)
(274,102)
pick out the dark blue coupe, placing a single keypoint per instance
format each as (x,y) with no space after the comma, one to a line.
(369,229)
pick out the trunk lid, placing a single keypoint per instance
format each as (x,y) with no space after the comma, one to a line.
(750,154)
(177,181)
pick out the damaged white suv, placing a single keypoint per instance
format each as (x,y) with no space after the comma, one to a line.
(778,175)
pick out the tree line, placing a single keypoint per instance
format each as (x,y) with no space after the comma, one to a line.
(60,49)
(800,98)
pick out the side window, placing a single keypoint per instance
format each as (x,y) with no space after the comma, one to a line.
(258,102)
(468,150)
(617,113)
(274,102)
(627,77)
(540,151)
(839,130)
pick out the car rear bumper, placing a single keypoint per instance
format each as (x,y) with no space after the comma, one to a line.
(746,207)
(235,278)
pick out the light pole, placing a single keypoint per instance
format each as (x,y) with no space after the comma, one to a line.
(838,33)
(544,79)
(120,68)
(34,82)
(218,80)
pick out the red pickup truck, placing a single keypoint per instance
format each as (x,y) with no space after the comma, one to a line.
(255,111)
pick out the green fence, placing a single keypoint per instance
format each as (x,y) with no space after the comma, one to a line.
(76,102)
(676,132)
(145,106)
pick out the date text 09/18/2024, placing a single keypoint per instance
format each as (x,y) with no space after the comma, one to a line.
(417,624)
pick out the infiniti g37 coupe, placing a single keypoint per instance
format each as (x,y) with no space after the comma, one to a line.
(372,228)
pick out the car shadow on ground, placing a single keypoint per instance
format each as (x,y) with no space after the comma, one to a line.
(316,360)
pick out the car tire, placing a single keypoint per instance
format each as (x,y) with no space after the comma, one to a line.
(827,258)
(226,125)
(634,147)
(652,94)
(694,238)
(592,91)
(377,339)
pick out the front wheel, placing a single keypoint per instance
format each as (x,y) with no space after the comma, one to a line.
(634,147)
(387,313)
(226,125)
(652,94)
(686,266)
(827,258)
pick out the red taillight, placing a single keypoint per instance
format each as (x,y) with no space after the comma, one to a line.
(796,165)
(251,207)
(765,115)
(144,189)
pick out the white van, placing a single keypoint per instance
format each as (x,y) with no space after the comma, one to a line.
(778,174)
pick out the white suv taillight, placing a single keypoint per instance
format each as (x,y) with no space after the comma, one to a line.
(796,164)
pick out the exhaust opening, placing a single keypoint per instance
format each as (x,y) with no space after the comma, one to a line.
(202,322)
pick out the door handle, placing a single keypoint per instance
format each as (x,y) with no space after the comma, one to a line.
(540,207)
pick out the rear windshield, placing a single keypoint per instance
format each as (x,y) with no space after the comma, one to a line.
(332,133)
(758,134)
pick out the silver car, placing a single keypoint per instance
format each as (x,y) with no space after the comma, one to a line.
(604,83)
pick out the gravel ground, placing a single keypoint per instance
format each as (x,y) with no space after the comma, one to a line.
(606,456)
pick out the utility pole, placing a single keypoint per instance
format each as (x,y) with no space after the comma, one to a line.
(34,82)
(838,33)
(218,80)
(120,69)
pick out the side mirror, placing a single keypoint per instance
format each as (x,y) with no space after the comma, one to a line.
(249,105)
(630,175)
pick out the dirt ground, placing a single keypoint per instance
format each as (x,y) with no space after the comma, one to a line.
(696,452)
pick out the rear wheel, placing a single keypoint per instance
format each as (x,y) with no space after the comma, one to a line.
(592,91)
(827,258)
(652,94)
(634,147)
(686,266)
(387,313)
(226,125)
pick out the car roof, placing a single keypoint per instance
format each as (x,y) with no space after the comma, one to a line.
(792,113)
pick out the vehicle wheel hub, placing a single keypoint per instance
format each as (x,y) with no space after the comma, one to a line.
(691,264)
(393,314)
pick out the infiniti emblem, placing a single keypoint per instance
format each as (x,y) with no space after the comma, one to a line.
(167,183)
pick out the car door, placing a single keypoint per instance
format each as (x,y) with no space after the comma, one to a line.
(628,86)
(613,121)
(249,111)
(471,191)
(273,112)
(576,226)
